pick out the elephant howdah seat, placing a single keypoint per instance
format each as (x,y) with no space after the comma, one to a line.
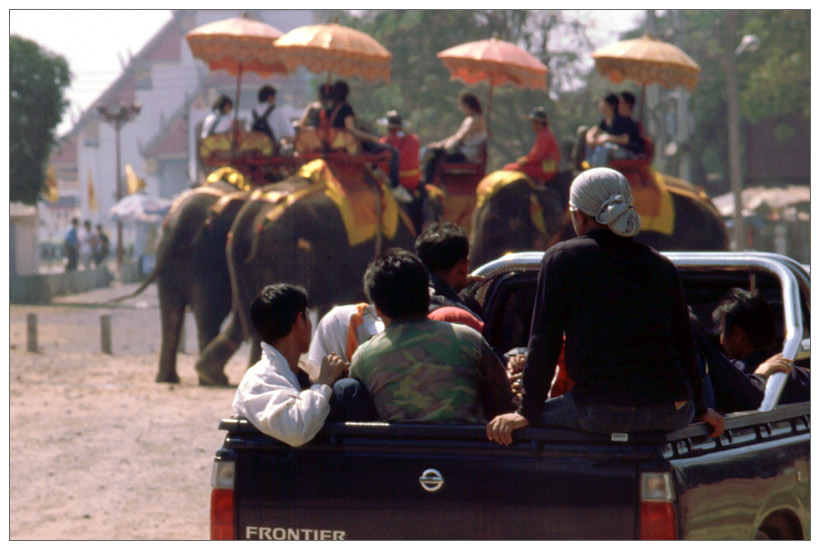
(462,174)
(340,150)
(644,159)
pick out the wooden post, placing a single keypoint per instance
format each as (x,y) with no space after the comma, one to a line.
(105,334)
(31,324)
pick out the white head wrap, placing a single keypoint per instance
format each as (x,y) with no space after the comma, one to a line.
(604,194)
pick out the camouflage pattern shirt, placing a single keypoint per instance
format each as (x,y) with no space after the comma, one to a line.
(432,371)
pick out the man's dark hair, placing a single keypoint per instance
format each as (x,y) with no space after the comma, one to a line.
(339,91)
(221,102)
(470,101)
(441,246)
(265,92)
(396,282)
(274,311)
(629,98)
(749,311)
(611,100)
(324,91)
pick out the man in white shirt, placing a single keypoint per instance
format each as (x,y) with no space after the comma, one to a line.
(266,118)
(275,395)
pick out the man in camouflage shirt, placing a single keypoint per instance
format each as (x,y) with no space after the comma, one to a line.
(420,370)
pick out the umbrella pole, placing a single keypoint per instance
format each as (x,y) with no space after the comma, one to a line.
(489,113)
(236,113)
(643,101)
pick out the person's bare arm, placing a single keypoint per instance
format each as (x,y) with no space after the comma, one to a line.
(332,368)
(714,419)
(350,126)
(500,428)
(775,363)
(592,135)
(467,127)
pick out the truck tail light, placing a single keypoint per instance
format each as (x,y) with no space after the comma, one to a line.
(658,516)
(222,512)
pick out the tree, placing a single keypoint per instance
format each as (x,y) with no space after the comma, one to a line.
(37,79)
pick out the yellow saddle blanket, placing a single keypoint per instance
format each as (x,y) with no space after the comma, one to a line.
(652,200)
(362,211)
(494,182)
(651,196)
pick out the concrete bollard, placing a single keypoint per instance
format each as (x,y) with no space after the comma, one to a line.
(105,333)
(31,339)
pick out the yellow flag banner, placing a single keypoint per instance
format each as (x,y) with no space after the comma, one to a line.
(133,182)
(92,197)
(52,194)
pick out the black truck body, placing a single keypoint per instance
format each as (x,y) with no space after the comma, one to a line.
(398,481)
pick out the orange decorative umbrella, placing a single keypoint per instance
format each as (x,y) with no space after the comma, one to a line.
(647,60)
(335,48)
(497,62)
(237,45)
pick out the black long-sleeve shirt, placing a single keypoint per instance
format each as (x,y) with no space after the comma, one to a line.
(628,339)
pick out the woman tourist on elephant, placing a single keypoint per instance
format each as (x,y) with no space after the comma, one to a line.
(219,121)
(340,115)
(463,146)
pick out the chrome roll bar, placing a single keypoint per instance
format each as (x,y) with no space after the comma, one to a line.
(775,264)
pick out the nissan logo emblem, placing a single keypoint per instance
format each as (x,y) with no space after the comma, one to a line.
(431,480)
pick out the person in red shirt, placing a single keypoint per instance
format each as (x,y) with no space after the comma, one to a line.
(541,163)
(409,174)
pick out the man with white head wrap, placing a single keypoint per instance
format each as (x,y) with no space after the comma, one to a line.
(620,304)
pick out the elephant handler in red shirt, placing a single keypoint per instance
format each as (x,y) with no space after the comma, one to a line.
(407,144)
(541,163)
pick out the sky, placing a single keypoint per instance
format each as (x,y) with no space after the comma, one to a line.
(94,41)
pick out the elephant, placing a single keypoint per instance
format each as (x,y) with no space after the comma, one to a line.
(521,216)
(293,232)
(191,268)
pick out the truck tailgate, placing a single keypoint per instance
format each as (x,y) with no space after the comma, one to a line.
(421,482)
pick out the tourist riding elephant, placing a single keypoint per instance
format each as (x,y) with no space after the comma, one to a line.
(513,214)
(308,230)
(191,268)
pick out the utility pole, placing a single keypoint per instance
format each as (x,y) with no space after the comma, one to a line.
(683,116)
(748,43)
(735,182)
(119,117)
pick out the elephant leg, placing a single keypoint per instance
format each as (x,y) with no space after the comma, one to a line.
(172,315)
(209,311)
(211,364)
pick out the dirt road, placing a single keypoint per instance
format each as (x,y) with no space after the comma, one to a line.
(98,450)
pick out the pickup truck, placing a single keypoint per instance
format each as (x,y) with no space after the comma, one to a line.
(398,481)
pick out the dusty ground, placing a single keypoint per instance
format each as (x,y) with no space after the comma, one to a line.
(98,450)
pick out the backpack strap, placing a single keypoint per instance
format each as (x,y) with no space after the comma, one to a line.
(216,122)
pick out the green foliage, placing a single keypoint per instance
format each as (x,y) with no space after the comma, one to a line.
(779,73)
(421,89)
(773,79)
(37,79)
